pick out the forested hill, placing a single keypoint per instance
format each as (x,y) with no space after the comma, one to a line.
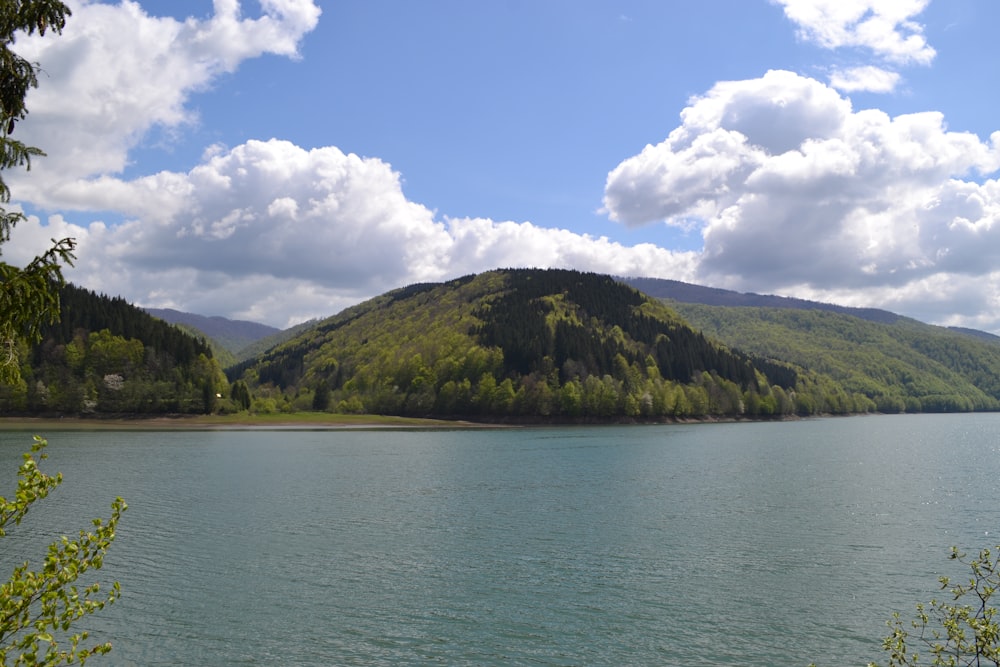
(514,344)
(262,345)
(528,343)
(906,365)
(897,362)
(108,356)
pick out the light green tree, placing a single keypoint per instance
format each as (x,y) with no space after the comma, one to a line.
(961,630)
(40,604)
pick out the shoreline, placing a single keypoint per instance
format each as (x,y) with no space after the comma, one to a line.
(297,421)
(315,421)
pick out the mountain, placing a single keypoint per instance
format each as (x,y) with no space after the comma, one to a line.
(233,335)
(529,343)
(897,362)
(232,341)
(976,333)
(107,356)
(906,365)
(262,345)
(681,292)
(520,344)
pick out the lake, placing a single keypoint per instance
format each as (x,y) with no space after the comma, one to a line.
(711,544)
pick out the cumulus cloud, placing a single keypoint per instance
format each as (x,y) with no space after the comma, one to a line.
(886,28)
(272,232)
(116,72)
(876,29)
(793,190)
(266,231)
(824,198)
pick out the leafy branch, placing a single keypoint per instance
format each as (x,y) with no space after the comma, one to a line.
(39,606)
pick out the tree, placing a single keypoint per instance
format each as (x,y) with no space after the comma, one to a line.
(955,632)
(29,296)
(240,394)
(961,631)
(39,606)
(321,399)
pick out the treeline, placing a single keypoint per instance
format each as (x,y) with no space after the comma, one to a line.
(107,356)
(525,343)
(512,344)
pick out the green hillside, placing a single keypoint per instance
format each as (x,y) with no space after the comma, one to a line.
(229,335)
(527,343)
(262,345)
(903,365)
(516,344)
(108,356)
(220,352)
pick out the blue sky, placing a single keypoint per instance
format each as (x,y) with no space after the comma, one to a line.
(281,160)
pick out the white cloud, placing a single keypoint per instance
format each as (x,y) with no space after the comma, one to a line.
(793,190)
(116,72)
(885,27)
(267,230)
(478,244)
(824,198)
(867,78)
(272,232)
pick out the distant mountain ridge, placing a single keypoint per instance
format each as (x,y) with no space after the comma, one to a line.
(976,333)
(233,335)
(662,288)
(675,290)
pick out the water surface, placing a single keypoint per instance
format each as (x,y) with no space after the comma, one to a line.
(711,544)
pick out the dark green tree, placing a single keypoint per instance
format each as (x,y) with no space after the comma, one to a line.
(240,394)
(321,399)
(29,296)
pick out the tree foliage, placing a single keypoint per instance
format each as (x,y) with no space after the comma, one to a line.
(516,344)
(39,605)
(29,301)
(961,630)
(104,356)
(27,298)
